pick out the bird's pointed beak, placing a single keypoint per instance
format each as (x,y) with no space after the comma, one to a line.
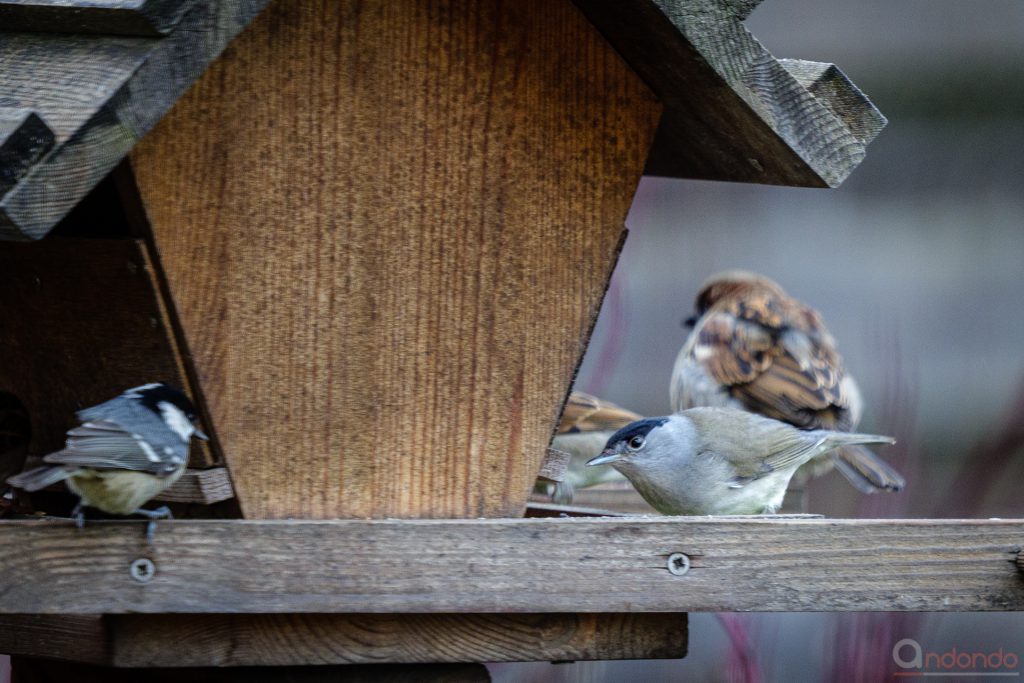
(607,457)
(199,435)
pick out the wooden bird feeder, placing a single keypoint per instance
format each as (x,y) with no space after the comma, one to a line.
(371,239)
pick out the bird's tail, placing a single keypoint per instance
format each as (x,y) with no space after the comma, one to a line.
(866,471)
(40,477)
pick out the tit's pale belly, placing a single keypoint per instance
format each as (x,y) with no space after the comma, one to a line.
(119,492)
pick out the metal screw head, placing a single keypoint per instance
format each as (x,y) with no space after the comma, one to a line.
(678,564)
(142,570)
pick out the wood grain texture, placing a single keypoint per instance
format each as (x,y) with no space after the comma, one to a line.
(81,323)
(413,257)
(204,487)
(292,640)
(522,565)
(99,95)
(116,17)
(553,467)
(239,640)
(732,111)
(24,139)
(832,88)
(79,638)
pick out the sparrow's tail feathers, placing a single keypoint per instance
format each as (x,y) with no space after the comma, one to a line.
(40,477)
(866,471)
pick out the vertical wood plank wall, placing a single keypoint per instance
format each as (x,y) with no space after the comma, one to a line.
(387,227)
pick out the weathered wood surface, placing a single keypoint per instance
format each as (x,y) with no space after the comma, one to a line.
(523,565)
(413,257)
(732,111)
(121,17)
(540,507)
(290,640)
(204,487)
(200,640)
(24,139)
(24,670)
(100,95)
(832,88)
(79,638)
(82,321)
(554,465)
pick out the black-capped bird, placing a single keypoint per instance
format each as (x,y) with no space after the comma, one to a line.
(717,461)
(125,452)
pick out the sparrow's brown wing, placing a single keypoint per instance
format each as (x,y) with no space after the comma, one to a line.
(777,359)
(586,413)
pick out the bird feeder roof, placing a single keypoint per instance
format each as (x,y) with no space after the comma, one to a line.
(84,80)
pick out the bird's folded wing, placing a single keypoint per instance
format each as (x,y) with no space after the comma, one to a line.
(783,451)
(105,445)
(780,372)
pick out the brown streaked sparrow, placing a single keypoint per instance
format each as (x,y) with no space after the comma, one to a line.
(756,348)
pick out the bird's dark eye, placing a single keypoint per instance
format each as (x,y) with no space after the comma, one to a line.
(636,443)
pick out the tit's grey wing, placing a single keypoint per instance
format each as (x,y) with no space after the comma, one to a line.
(103,444)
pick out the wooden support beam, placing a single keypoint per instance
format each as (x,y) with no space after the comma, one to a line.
(72,637)
(201,640)
(733,111)
(839,95)
(522,565)
(100,95)
(289,640)
(24,139)
(114,17)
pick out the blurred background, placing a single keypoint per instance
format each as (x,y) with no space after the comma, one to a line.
(916,263)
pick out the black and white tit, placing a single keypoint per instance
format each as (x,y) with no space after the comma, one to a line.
(125,451)
(717,461)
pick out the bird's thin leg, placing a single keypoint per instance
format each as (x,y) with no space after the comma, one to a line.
(78,514)
(162,512)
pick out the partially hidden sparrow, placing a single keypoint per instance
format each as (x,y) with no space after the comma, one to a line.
(756,348)
(586,424)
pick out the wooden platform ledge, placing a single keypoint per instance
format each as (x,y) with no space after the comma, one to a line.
(511,565)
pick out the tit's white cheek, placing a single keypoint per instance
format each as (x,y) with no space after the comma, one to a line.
(176,420)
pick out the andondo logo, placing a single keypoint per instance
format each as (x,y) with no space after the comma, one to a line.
(914,660)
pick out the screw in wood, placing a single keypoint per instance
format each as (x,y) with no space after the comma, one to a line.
(678,564)
(142,570)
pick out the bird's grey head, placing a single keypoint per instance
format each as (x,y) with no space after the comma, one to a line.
(646,445)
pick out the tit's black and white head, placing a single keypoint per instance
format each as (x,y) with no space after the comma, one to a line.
(172,406)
